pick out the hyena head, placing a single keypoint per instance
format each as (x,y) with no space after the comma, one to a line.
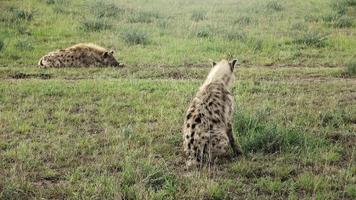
(109,59)
(222,71)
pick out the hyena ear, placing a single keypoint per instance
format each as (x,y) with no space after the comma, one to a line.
(232,64)
(212,63)
(106,54)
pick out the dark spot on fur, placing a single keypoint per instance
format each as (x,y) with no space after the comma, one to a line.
(197,156)
(188,125)
(210,113)
(193,133)
(189,116)
(195,148)
(187,136)
(211,127)
(205,148)
(191,140)
(193,126)
(224,98)
(198,120)
(228,80)
(215,121)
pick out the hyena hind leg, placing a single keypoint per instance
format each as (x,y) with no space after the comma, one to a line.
(235,148)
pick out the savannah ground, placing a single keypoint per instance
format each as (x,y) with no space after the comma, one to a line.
(115,133)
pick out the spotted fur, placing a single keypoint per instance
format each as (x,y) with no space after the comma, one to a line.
(207,131)
(80,55)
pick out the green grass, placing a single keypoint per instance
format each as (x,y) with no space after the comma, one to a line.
(351,68)
(107,133)
(134,37)
(178,29)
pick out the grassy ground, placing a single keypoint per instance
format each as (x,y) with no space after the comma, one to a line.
(155,32)
(105,133)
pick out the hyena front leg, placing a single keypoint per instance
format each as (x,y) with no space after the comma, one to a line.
(236,149)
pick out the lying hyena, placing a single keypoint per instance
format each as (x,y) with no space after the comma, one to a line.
(80,55)
(207,130)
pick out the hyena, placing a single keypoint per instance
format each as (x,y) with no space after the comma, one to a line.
(80,55)
(207,131)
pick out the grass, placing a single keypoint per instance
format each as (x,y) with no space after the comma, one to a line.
(343,22)
(198,15)
(351,68)
(94,25)
(312,39)
(134,37)
(143,17)
(101,9)
(1,44)
(107,133)
(274,6)
(71,131)
(61,23)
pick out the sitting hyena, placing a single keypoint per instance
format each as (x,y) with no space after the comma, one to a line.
(80,55)
(207,130)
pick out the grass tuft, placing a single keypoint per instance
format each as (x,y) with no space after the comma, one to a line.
(351,190)
(255,44)
(24,45)
(143,17)
(351,68)
(299,26)
(256,135)
(312,18)
(240,36)
(243,20)
(217,192)
(312,39)
(342,6)
(56,1)
(20,14)
(94,25)
(2,44)
(274,6)
(198,15)
(134,37)
(101,9)
(269,185)
(203,33)
(343,22)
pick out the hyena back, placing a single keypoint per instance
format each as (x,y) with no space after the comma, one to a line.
(80,55)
